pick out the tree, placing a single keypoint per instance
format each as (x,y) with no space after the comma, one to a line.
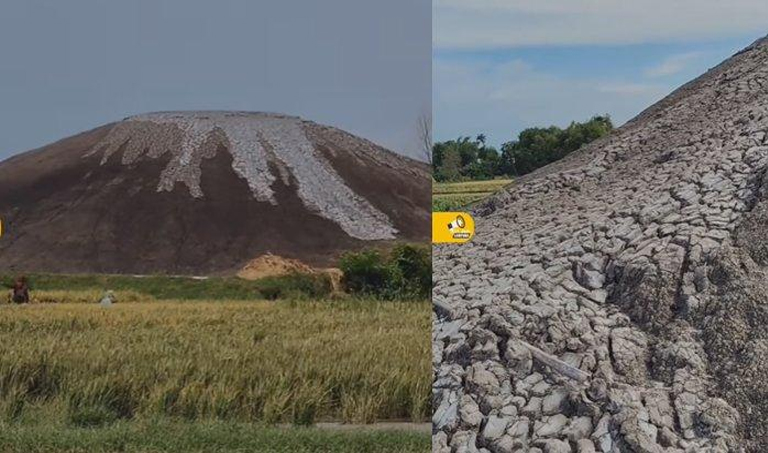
(537,147)
(450,168)
(475,159)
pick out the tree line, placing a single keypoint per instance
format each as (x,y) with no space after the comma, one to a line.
(469,158)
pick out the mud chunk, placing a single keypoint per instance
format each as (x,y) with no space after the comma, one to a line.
(469,411)
(585,446)
(580,428)
(557,446)
(550,426)
(555,402)
(629,349)
(446,416)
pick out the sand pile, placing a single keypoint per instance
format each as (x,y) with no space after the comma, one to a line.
(272,266)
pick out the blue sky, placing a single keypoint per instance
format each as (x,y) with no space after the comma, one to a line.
(68,66)
(504,65)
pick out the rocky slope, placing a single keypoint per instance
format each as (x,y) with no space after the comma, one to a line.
(616,301)
(205,192)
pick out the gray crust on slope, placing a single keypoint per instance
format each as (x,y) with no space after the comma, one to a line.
(640,260)
(258,142)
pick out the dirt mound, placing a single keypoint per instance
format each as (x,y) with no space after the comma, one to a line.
(274,266)
(204,192)
(615,301)
(271,266)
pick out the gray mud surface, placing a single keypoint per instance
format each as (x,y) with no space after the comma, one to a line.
(640,265)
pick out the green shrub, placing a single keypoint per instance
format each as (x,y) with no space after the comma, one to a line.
(406,273)
(365,272)
(414,266)
(442,204)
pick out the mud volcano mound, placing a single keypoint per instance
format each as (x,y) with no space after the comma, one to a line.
(205,192)
(617,301)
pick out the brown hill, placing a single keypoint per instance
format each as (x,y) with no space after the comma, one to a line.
(205,192)
(615,301)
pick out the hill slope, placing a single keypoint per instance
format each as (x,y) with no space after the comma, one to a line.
(204,192)
(640,263)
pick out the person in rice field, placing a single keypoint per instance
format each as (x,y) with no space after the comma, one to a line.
(20,290)
(108,299)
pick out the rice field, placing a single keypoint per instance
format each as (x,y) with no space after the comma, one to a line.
(453,196)
(160,287)
(203,437)
(79,365)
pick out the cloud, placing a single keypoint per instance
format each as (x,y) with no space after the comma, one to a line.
(471,97)
(489,24)
(673,64)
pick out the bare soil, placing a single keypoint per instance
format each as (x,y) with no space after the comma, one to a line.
(67,213)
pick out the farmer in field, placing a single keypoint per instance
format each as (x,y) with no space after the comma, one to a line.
(20,290)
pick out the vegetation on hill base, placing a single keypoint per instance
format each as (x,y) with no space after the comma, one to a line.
(161,287)
(456,196)
(472,159)
(175,436)
(402,274)
(253,362)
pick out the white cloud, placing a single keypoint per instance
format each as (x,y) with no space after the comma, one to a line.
(487,24)
(673,64)
(502,99)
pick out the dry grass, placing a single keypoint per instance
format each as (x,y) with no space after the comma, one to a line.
(491,185)
(453,196)
(269,362)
